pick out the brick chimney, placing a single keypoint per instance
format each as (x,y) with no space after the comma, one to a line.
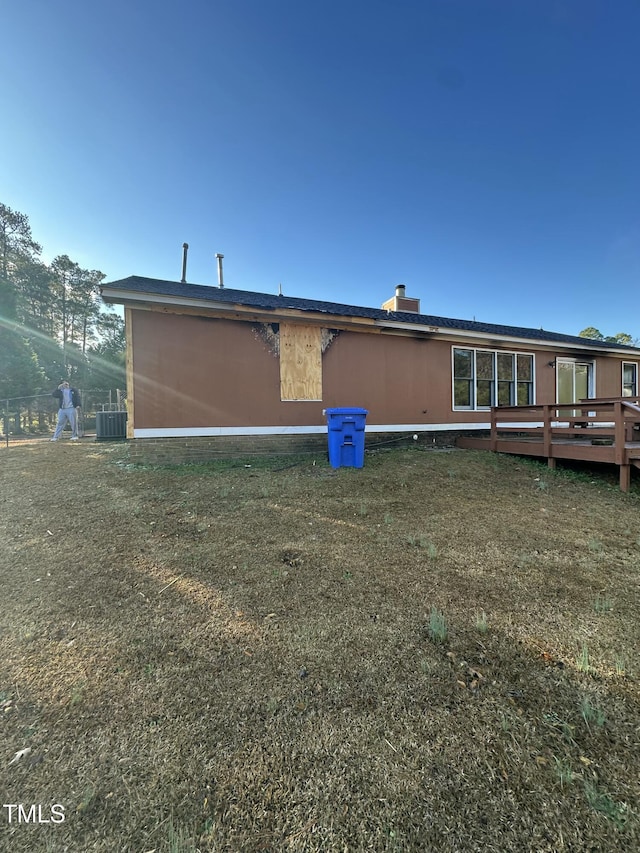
(400,302)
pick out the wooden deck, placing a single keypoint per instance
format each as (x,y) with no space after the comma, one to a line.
(597,430)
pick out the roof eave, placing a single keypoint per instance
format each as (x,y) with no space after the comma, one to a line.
(449,331)
(120,296)
(235,309)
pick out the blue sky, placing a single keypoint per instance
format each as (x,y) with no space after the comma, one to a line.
(485,153)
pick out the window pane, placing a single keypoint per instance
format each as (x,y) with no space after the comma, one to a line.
(505,365)
(504,393)
(582,382)
(485,393)
(463,363)
(565,382)
(525,367)
(525,393)
(462,393)
(484,365)
(629,380)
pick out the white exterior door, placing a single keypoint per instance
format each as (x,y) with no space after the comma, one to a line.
(574,380)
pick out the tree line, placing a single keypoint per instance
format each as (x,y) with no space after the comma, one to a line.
(53,324)
(620,338)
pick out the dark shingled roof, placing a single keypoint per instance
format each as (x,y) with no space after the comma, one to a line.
(273,302)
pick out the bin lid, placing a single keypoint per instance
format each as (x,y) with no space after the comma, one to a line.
(347,411)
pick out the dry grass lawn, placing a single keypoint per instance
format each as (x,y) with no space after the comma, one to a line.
(436,653)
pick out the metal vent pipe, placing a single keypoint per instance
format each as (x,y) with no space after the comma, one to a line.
(185,249)
(219,258)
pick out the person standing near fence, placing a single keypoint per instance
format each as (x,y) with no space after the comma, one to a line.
(69,400)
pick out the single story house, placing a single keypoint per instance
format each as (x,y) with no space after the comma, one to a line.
(216,361)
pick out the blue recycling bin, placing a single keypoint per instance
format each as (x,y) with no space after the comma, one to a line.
(346,437)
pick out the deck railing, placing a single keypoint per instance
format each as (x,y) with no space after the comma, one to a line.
(617,418)
(602,430)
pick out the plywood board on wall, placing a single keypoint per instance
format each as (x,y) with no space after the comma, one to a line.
(300,362)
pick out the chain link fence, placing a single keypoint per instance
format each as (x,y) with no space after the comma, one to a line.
(36,416)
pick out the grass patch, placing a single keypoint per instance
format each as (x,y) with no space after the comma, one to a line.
(593,716)
(583,660)
(595,546)
(425,543)
(564,772)
(482,625)
(179,840)
(285,657)
(602,802)
(602,603)
(437,626)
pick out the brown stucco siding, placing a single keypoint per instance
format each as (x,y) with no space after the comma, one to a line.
(198,372)
(609,377)
(385,374)
(400,380)
(545,377)
(191,372)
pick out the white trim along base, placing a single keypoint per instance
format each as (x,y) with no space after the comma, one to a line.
(189,432)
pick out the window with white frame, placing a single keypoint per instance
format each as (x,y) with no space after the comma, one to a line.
(483,378)
(629,379)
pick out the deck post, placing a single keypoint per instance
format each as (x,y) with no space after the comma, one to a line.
(619,436)
(625,478)
(546,434)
